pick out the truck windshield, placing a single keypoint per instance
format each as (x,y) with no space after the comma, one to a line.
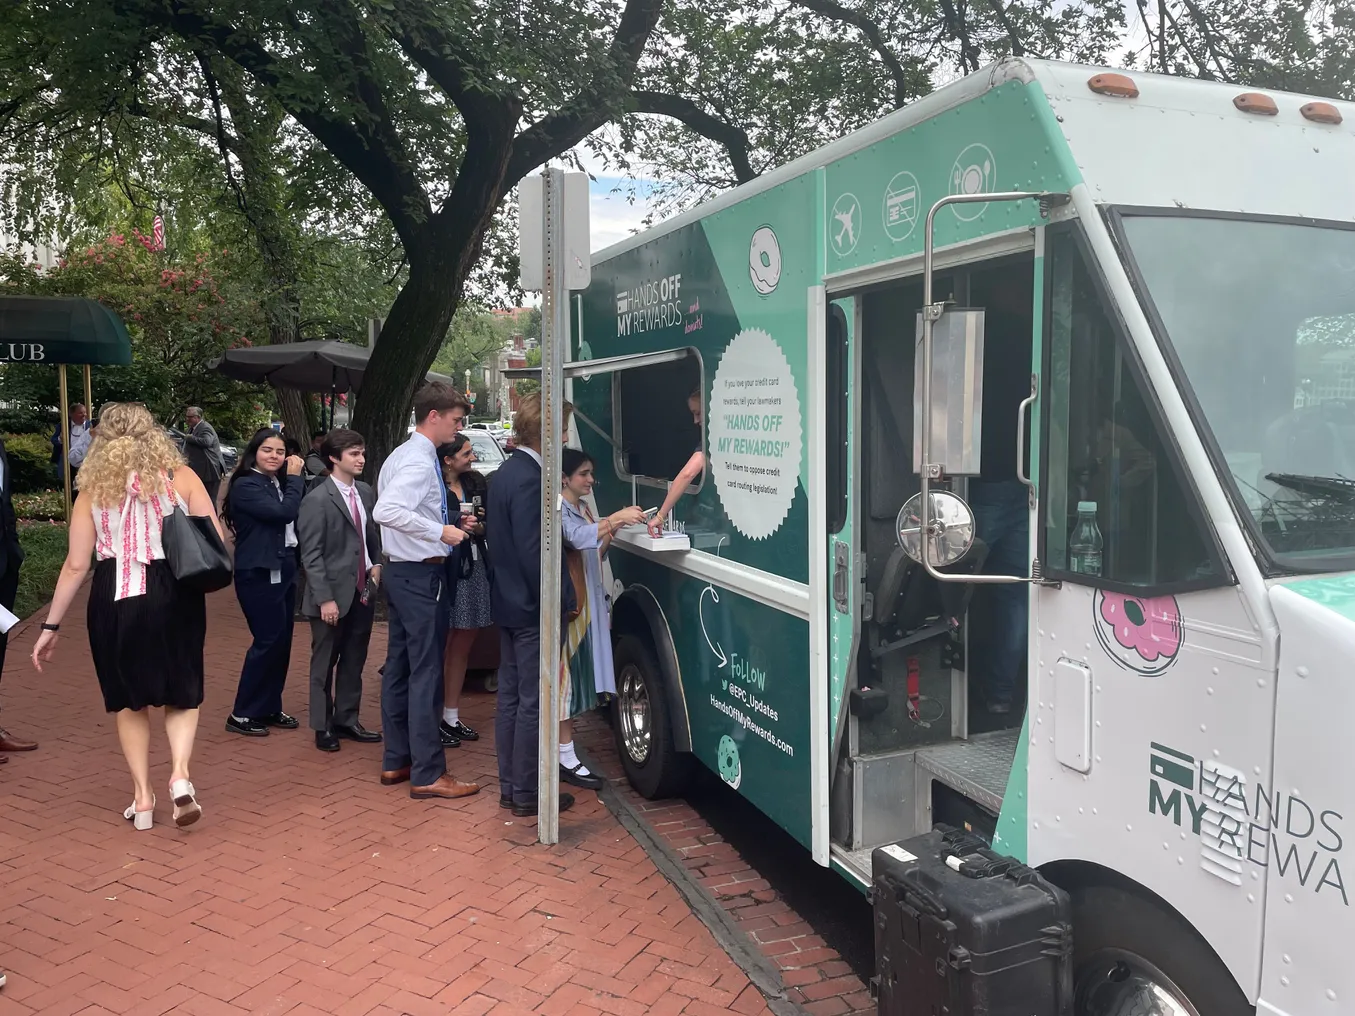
(1261,316)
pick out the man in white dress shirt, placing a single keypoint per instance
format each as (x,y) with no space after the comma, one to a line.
(80,438)
(418,530)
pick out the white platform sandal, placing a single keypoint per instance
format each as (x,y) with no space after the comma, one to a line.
(141,820)
(186,807)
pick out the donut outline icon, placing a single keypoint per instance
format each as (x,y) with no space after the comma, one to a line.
(764,260)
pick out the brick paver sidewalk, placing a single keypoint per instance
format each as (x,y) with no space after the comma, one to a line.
(308,887)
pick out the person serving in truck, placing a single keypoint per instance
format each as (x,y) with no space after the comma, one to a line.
(696,465)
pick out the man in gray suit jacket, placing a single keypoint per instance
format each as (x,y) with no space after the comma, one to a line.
(341,553)
(202,448)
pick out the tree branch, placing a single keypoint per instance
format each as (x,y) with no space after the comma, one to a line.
(969,56)
(589,110)
(432,47)
(371,152)
(1004,19)
(730,136)
(836,12)
(178,118)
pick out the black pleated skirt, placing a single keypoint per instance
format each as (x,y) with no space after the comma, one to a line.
(147,649)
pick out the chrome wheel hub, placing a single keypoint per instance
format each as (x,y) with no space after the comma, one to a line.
(1117,983)
(636,714)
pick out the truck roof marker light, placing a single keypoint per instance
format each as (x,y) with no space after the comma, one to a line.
(1256,102)
(1121,86)
(1321,112)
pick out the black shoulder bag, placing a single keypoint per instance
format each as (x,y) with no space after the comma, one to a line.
(195,551)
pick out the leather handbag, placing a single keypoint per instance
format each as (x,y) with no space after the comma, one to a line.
(195,552)
(574,567)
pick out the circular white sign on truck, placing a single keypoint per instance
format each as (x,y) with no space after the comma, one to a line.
(755,436)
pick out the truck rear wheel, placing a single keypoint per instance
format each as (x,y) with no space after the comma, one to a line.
(1131,958)
(640,722)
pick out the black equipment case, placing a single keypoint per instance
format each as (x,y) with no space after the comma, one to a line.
(962,931)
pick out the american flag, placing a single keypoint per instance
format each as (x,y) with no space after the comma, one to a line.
(158,233)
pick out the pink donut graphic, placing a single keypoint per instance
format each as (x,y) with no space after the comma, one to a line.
(1140,633)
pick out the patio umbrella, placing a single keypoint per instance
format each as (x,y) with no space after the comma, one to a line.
(318,366)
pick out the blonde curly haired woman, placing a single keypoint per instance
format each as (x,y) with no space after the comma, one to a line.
(145,633)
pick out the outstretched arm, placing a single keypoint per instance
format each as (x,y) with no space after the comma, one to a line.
(695,466)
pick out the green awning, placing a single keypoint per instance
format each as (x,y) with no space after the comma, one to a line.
(52,329)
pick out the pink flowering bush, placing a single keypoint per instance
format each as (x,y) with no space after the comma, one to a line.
(182,310)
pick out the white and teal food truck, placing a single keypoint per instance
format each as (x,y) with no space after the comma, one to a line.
(1166,271)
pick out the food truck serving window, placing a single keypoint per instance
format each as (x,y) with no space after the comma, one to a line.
(655,430)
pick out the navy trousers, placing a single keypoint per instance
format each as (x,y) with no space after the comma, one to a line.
(517,720)
(269,608)
(418,598)
(1002,521)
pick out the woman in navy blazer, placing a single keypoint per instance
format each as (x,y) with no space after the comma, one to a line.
(262,501)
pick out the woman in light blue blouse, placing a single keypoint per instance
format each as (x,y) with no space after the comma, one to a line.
(588,639)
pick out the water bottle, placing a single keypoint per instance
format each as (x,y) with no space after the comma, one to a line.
(1085,546)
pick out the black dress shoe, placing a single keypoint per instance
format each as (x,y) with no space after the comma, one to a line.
(282,721)
(505,800)
(450,738)
(462,731)
(326,740)
(247,727)
(588,781)
(357,732)
(525,807)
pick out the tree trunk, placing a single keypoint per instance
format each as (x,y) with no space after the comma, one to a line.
(419,318)
(283,311)
(260,195)
(411,335)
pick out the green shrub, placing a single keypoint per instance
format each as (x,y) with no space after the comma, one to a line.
(44,547)
(43,506)
(30,459)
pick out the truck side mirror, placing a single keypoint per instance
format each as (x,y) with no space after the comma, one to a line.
(956,392)
(950,534)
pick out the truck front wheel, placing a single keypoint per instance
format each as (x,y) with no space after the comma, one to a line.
(644,734)
(1131,958)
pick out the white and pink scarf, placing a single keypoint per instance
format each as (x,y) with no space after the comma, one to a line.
(130,535)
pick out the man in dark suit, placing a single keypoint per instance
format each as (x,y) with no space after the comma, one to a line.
(11,557)
(202,448)
(341,553)
(514,525)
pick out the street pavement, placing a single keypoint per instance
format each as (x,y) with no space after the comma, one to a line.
(308,887)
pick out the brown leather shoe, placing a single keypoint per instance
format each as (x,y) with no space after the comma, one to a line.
(447,788)
(8,742)
(391,777)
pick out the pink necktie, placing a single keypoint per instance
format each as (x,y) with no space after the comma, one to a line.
(362,542)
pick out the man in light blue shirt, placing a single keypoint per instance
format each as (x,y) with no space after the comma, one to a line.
(418,530)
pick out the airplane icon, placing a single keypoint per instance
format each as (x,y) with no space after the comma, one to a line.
(844,213)
(847,230)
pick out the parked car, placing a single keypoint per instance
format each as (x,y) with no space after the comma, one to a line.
(489,456)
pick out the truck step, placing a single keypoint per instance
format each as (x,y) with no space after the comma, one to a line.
(977,768)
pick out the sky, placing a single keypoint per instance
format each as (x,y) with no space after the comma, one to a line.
(613,214)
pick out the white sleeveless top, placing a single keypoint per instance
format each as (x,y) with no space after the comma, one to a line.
(130,535)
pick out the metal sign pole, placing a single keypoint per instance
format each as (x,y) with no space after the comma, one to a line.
(554,332)
(64,428)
